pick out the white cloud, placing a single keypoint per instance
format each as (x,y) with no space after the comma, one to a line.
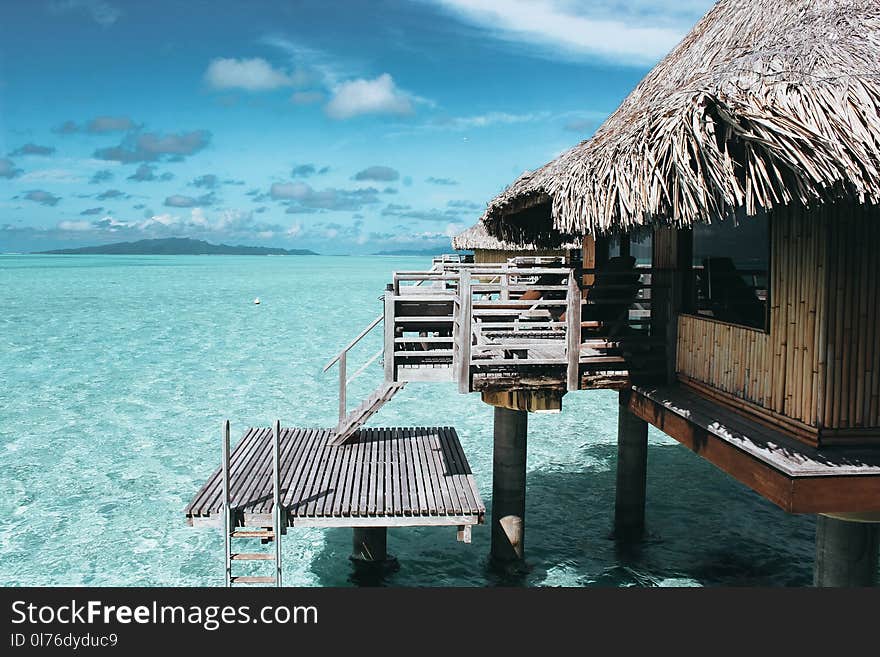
(296,191)
(77,226)
(103,13)
(52,175)
(647,31)
(248,74)
(362,96)
(489,119)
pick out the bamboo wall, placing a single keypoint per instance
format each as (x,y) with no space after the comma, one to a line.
(819,363)
(851,398)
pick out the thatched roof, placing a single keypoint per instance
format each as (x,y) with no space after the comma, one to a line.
(764,103)
(476,237)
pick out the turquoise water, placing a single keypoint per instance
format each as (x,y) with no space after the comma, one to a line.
(115,374)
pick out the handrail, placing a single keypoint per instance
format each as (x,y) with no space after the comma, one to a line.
(365,365)
(352,343)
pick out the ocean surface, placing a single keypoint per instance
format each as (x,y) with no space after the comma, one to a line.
(115,375)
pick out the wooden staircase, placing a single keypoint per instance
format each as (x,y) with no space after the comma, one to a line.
(350,424)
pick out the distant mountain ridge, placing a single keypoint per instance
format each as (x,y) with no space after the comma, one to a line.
(175,246)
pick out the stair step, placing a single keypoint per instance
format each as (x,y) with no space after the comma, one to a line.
(252,556)
(356,418)
(251,579)
(253,533)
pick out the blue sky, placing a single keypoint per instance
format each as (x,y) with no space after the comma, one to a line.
(345,127)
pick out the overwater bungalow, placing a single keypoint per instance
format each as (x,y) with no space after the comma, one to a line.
(747,165)
(488,249)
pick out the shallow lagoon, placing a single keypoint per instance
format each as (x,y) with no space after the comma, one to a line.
(116,371)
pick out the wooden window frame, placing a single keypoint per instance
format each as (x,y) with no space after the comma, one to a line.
(688,289)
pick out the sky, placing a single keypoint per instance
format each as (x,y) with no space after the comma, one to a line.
(342,127)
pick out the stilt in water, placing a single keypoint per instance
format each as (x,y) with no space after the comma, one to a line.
(509,486)
(369,554)
(632,465)
(846,552)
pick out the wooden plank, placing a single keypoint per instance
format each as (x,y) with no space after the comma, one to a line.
(389,472)
(450,501)
(381,480)
(335,482)
(248,474)
(288,446)
(394,472)
(352,484)
(405,472)
(360,507)
(314,491)
(425,471)
(301,442)
(326,488)
(299,501)
(463,503)
(391,521)
(465,480)
(417,492)
(341,484)
(431,476)
(292,499)
(376,474)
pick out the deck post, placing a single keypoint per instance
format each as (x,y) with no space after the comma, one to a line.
(277,511)
(846,552)
(573,333)
(509,485)
(388,357)
(369,545)
(343,358)
(227,511)
(464,336)
(632,465)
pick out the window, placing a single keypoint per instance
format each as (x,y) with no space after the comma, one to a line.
(730,271)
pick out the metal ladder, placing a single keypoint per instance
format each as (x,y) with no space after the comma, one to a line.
(265,534)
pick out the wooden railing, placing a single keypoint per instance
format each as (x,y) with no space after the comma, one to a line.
(459,320)
(342,359)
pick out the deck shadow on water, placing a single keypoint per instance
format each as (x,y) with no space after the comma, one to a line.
(703,529)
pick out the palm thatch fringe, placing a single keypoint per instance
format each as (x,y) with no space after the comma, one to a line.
(764,103)
(476,237)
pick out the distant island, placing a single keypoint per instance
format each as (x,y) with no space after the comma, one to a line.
(411,252)
(175,246)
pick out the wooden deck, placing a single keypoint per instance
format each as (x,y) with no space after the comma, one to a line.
(797,477)
(385,477)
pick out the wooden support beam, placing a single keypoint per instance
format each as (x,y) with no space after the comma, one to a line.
(573,333)
(795,477)
(509,486)
(388,359)
(464,332)
(632,467)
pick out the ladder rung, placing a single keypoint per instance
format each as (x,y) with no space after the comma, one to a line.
(253,533)
(250,579)
(252,556)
